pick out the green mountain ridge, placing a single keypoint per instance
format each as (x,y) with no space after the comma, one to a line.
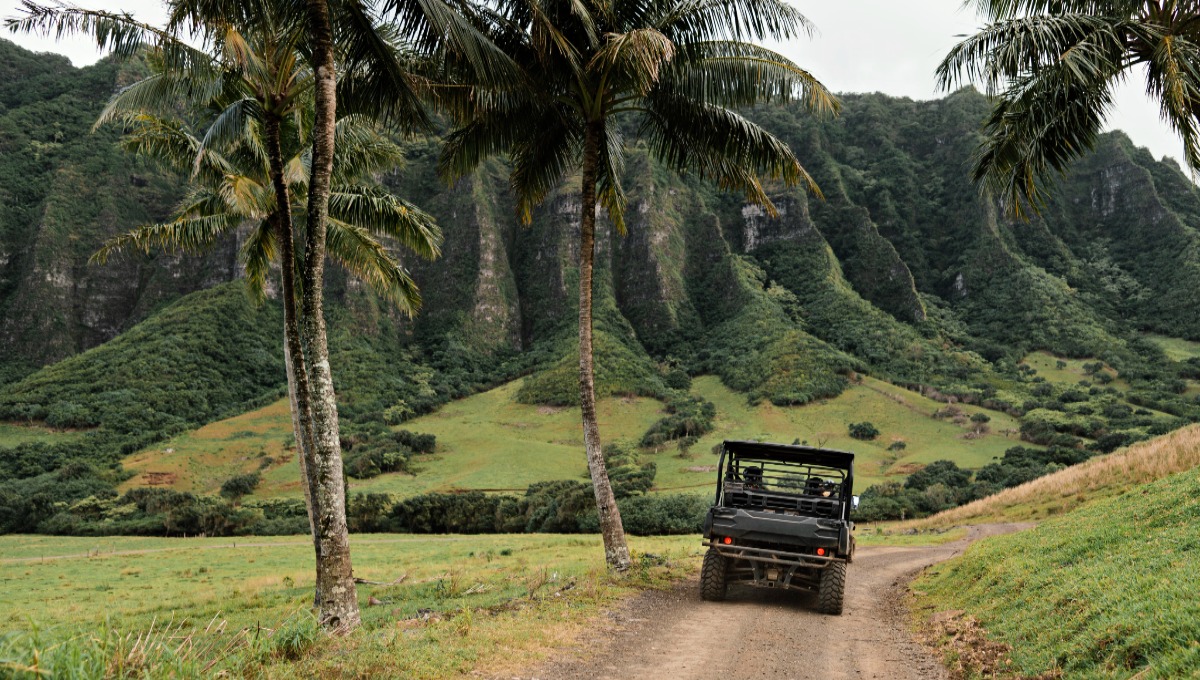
(903,272)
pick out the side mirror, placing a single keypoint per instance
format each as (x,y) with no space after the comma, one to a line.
(854,502)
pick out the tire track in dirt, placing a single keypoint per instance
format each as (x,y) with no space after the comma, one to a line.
(760,633)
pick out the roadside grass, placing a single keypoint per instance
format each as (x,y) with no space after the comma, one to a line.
(1106,591)
(465,602)
(489,441)
(12,434)
(1071,487)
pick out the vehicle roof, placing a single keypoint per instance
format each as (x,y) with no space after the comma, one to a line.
(791,453)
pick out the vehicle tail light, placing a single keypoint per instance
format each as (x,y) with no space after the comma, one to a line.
(727,540)
(821,551)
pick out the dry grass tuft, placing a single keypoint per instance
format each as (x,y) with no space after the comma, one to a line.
(1065,490)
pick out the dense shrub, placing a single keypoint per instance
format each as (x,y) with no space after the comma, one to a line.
(241,485)
(687,416)
(865,431)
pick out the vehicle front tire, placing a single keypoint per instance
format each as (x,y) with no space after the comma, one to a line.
(713,576)
(832,590)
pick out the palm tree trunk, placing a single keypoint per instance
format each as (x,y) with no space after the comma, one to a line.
(335,577)
(616,552)
(297,373)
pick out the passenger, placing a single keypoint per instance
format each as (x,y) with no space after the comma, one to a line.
(754,477)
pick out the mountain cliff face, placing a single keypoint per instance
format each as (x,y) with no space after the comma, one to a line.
(63,191)
(902,269)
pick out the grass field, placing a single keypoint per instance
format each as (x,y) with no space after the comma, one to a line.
(464,602)
(1106,591)
(489,441)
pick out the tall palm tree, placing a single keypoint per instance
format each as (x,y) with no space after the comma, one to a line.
(679,67)
(1053,65)
(254,58)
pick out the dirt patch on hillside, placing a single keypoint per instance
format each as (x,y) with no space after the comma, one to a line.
(159,478)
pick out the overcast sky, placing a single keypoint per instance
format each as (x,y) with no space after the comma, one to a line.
(888,46)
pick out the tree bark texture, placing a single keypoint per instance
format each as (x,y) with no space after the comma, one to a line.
(297,373)
(335,577)
(616,552)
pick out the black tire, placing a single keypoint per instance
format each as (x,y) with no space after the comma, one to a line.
(833,589)
(713,577)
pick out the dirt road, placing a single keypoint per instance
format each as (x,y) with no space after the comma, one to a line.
(758,633)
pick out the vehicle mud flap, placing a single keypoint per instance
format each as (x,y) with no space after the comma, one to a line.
(714,579)
(846,543)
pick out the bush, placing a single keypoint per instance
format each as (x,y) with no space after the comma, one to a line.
(242,485)
(865,431)
(688,416)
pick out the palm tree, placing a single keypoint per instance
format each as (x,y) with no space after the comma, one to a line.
(254,67)
(1053,66)
(678,66)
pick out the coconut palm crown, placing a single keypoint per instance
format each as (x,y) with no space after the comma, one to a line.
(1053,68)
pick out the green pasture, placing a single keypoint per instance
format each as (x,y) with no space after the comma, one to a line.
(1176,349)
(1046,365)
(12,434)
(490,441)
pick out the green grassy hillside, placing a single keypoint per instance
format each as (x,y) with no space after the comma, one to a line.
(492,441)
(1105,591)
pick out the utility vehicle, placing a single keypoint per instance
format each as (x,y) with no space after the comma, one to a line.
(781,519)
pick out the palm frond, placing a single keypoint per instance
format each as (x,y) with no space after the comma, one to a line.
(737,74)
(1039,126)
(612,168)
(257,254)
(379,212)
(1173,78)
(684,21)
(369,260)
(719,144)
(635,58)
(1007,50)
(188,234)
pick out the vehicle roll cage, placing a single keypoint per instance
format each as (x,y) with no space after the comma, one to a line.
(778,478)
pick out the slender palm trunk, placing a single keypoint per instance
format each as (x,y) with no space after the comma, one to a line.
(616,552)
(335,577)
(297,373)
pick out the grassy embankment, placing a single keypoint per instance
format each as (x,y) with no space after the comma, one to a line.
(489,441)
(1105,590)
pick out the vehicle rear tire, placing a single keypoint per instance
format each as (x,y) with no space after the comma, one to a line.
(713,576)
(832,590)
